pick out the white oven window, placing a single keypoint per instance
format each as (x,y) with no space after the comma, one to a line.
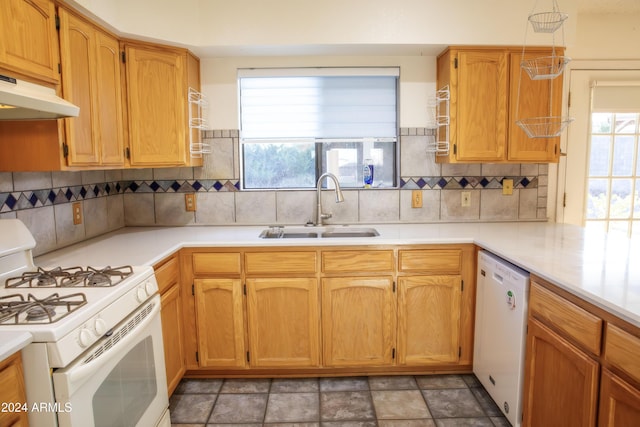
(128,389)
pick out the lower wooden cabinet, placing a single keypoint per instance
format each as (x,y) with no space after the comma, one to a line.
(220,322)
(283,322)
(12,391)
(358,321)
(581,364)
(428,319)
(345,310)
(561,381)
(168,276)
(619,402)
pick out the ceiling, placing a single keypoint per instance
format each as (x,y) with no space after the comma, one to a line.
(608,6)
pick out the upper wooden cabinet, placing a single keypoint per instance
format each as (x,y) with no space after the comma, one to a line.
(484,84)
(28,39)
(91,80)
(157,81)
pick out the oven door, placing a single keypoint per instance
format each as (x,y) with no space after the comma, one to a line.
(121,380)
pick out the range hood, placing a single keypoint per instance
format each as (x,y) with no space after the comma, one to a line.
(21,100)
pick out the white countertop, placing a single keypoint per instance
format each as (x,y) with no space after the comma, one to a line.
(602,269)
(11,342)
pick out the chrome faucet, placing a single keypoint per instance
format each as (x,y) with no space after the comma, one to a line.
(339,197)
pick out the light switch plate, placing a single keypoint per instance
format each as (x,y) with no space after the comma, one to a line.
(507,187)
(76,208)
(416,199)
(190,202)
(465,197)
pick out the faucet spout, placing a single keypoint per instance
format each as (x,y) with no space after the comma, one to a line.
(320,216)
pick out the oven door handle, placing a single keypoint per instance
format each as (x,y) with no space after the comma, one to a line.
(80,371)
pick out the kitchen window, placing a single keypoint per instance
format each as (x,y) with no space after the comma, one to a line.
(296,124)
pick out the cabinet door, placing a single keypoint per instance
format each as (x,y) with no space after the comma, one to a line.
(28,38)
(619,402)
(561,382)
(532,98)
(172,336)
(157,106)
(358,337)
(12,391)
(220,322)
(283,322)
(481,106)
(77,45)
(109,115)
(428,319)
(91,80)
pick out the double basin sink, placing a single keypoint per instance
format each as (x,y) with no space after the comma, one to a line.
(317,232)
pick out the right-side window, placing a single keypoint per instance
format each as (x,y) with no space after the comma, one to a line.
(613,182)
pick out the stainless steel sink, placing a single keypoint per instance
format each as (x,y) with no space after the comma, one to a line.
(317,232)
(281,233)
(351,232)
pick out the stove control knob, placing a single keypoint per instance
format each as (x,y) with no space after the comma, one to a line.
(141,294)
(149,287)
(85,337)
(99,326)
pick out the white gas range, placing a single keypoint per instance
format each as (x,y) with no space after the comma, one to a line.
(97,356)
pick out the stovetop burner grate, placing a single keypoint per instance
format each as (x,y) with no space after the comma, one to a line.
(70,277)
(16,310)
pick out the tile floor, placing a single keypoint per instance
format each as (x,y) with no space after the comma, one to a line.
(408,401)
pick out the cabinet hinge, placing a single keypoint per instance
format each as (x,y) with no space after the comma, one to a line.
(393,353)
(123,57)
(193,289)
(58,22)
(127,153)
(65,150)
(459,351)
(197,357)
(455,62)
(248,357)
(59,68)
(564,200)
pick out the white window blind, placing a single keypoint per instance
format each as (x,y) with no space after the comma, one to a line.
(318,103)
(615,97)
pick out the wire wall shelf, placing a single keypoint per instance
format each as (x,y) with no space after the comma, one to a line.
(439,144)
(198,105)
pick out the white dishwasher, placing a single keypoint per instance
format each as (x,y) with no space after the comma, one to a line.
(500,332)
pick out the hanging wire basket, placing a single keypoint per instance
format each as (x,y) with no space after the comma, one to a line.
(545,67)
(544,127)
(547,22)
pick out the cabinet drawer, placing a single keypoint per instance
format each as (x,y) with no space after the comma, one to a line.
(577,324)
(621,350)
(167,273)
(357,261)
(280,262)
(437,261)
(216,263)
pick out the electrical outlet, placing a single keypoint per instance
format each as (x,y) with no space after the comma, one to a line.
(416,199)
(190,202)
(507,187)
(465,199)
(76,208)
